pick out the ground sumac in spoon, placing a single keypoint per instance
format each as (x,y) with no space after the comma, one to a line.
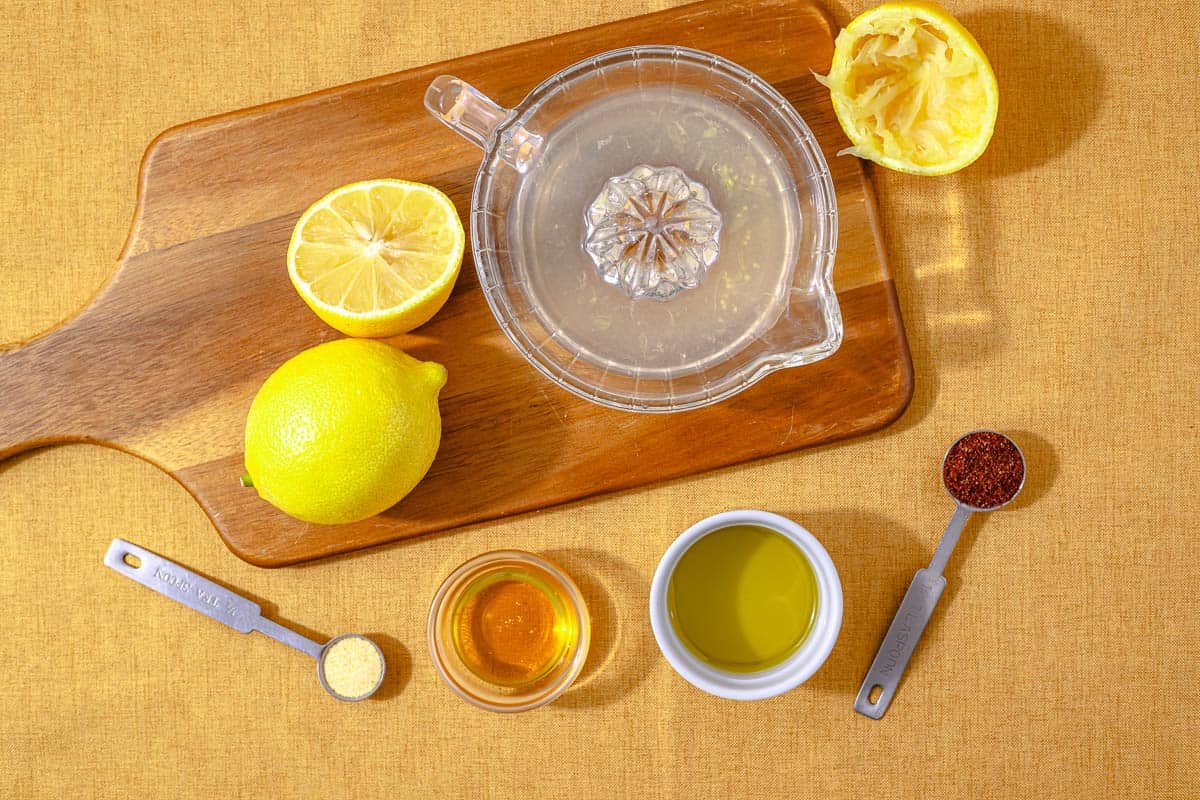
(983,470)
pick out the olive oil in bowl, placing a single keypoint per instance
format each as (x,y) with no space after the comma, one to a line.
(743,598)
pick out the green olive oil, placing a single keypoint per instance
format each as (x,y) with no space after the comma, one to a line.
(743,598)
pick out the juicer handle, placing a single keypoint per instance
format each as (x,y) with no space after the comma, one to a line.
(474,116)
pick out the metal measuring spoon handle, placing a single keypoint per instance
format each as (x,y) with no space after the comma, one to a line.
(922,596)
(909,623)
(201,594)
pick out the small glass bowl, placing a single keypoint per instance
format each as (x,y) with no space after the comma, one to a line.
(506,697)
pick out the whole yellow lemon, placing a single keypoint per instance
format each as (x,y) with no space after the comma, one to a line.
(344,430)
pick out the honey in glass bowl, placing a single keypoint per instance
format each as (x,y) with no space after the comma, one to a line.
(508,631)
(512,626)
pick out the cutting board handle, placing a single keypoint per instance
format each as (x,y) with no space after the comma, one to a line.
(50,389)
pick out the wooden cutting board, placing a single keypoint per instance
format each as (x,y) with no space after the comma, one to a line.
(165,360)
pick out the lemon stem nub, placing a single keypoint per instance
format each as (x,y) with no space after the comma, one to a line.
(246,481)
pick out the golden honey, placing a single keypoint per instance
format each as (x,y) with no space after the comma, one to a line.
(512,626)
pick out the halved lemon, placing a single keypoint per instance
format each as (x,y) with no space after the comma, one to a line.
(377,258)
(912,89)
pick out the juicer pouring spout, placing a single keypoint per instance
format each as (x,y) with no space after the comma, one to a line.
(477,118)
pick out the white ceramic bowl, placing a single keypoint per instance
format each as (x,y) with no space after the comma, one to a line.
(769,682)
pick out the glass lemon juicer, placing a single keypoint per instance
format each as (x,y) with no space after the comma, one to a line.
(654,228)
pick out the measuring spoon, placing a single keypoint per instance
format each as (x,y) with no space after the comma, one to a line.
(217,602)
(883,678)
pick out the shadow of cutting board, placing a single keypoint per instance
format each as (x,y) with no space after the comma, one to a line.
(165,360)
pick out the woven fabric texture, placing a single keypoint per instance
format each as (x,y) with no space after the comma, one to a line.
(1049,291)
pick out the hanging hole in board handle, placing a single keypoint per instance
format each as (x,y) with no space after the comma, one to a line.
(875,693)
(132,560)
(476,117)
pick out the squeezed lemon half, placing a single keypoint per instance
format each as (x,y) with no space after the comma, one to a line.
(912,89)
(377,258)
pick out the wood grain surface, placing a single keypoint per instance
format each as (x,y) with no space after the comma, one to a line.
(165,360)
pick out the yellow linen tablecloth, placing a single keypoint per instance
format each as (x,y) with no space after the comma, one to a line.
(1049,290)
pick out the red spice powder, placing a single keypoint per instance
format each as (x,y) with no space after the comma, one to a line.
(983,470)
